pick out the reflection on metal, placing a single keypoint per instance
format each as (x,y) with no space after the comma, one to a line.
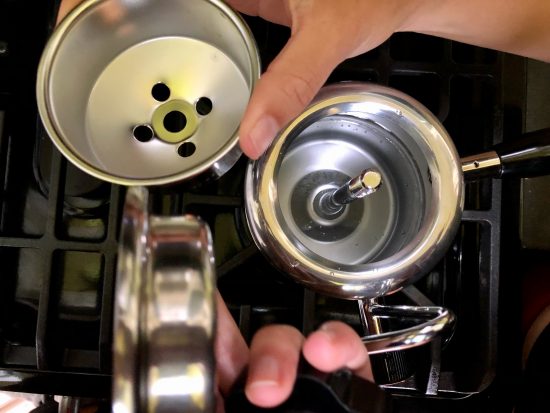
(164,313)
(481,165)
(197,49)
(371,325)
(400,233)
(430,322)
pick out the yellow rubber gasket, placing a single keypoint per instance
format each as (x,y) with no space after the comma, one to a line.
(160,113)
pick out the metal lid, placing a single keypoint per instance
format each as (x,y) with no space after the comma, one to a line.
(376,244)
(148,92)
(164,313)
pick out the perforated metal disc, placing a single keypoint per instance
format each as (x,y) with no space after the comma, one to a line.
(122,98)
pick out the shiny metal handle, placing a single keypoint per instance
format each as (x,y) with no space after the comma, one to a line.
(525,157)
(438,320)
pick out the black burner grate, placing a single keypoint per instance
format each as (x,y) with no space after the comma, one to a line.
(59,227)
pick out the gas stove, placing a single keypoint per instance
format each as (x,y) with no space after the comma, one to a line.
(59,229)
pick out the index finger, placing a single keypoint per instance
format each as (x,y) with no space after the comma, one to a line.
(65,7)
(275,11)
(336,345)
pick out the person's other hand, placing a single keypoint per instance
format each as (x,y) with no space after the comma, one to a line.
(323,34)
(275,352)
(326,32)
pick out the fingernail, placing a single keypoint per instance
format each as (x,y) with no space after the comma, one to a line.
(328,331)
(264,372)
(263,133)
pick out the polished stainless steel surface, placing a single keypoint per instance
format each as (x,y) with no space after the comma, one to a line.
(482,165)
(383,241)
(90,102)
(329,204)
(371,325)
(366,183)
(438,320)
(128,302)
(164,313)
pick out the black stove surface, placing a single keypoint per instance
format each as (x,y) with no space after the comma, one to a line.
(59,229)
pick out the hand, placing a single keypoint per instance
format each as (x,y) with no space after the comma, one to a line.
(274,355)
(324,33)
(230,350)
(275,352)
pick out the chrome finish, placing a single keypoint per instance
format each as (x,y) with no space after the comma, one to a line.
(439,320)
(164,313)
(366,183)
(393,238)
(371,325)
(90,101)
(482,165)
(330,204)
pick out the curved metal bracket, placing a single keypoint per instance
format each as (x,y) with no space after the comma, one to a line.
(438,320)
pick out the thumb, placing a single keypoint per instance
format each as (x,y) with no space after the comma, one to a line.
(287,87)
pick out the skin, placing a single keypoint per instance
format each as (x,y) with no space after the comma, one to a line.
(323,34)
(274,353)
(356,26)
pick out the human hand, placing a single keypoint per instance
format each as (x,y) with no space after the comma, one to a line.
(323,34)
(326,32)
(274,354)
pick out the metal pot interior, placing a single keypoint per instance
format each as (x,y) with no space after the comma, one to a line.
(376,244)
(99,80)
(330,152)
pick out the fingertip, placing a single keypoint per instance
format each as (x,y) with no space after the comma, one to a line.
(248,147)
(266,393)
(336,345)
(268,383)
(255,140)
(274,355)
(319,351)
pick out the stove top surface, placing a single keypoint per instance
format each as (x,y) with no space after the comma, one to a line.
(59,229)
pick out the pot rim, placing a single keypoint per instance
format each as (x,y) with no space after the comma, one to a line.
(373,279)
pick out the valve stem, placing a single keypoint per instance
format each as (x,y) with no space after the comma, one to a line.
(366,183)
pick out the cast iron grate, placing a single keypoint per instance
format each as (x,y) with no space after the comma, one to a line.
(59,227)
